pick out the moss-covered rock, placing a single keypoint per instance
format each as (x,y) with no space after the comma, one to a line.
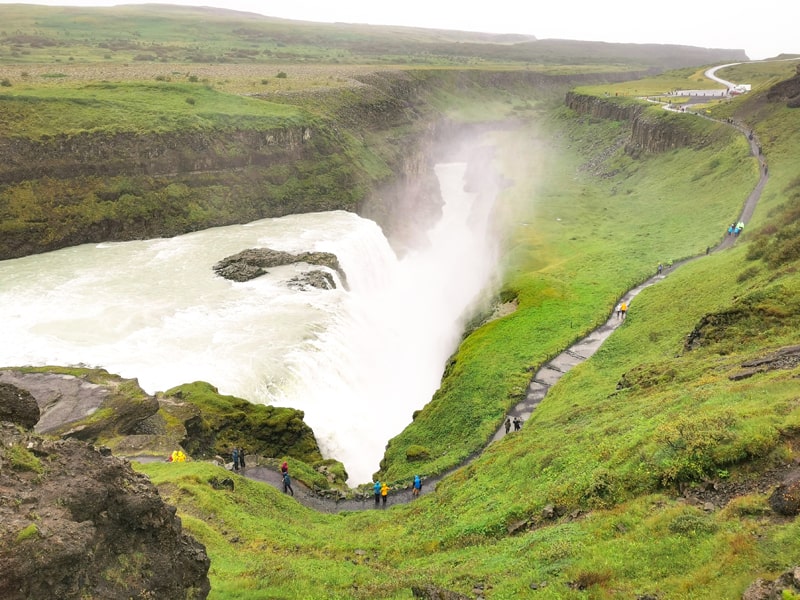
(227,421)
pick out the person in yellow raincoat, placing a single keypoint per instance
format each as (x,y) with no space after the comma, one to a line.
(384,492)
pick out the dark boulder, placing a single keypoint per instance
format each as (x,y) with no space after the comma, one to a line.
(78,524)
(785,500)
(18,406)
(762,589)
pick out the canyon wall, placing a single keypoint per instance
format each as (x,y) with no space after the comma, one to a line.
(369,150)
(652,129)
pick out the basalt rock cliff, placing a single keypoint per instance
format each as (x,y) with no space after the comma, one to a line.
(787,91)
(652,129)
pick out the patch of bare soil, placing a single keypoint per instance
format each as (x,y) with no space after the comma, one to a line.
(721,491)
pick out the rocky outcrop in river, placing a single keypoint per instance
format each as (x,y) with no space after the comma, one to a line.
(254,262)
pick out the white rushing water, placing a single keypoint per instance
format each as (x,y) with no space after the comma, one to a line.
(357,361)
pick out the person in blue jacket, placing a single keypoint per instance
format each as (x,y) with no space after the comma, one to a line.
(377,489)
(417,486)
(287,484)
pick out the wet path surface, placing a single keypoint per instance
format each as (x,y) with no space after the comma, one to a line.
(320,500)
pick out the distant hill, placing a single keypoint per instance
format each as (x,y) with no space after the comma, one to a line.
(180,34)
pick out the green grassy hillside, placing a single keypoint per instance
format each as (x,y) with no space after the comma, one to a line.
(625,446)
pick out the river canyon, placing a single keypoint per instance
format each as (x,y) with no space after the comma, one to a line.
(357,360)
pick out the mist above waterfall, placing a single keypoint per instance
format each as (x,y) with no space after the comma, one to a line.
(384,355)
(358,362)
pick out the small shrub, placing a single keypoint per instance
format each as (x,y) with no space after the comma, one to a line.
(193,79)
(757,249)
(416,452)
(688,446)
(191,101)
(281,75)
(691,524)
(747,506)
(587,579)
(6,82)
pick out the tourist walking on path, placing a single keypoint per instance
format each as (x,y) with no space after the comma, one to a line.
(285,467)
(384,493)
(235,457)
(287,484)
(377,490)
(241,458)
(623,308)
(508,425)
(417,486)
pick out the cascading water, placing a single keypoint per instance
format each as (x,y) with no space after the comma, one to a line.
(357,361)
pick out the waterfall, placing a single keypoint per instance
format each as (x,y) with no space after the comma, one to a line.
(358,362)
(383,356)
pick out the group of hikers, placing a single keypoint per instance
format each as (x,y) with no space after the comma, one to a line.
(622,309)
(177,456)
(381,490)
(517,421)
(237,454)
(735,228)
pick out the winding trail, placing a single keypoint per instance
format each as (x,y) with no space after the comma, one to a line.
(547,375)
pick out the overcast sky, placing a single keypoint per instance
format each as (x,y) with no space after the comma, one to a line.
(763,29)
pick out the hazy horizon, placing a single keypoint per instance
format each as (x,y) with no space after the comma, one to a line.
(760,33)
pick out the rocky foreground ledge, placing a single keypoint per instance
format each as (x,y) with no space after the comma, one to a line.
(254,262)
(76,522)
